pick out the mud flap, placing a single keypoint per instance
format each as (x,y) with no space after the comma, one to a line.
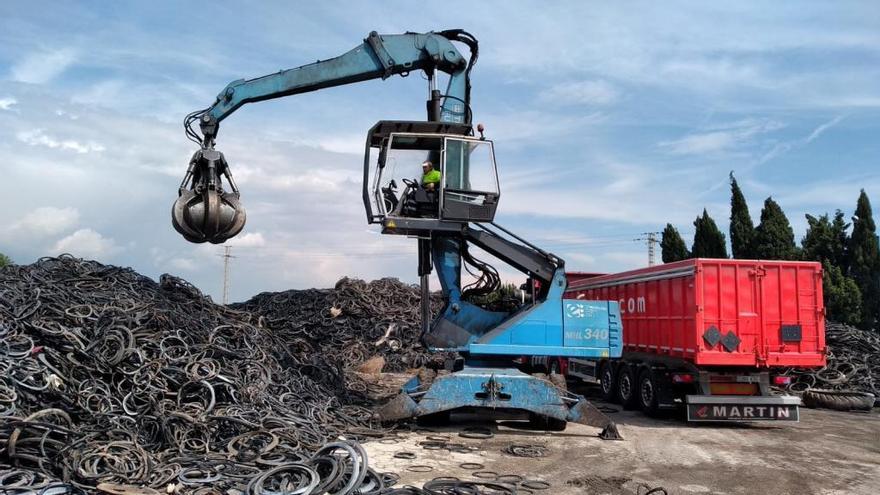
(587,414)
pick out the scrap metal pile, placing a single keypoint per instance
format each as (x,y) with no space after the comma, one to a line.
(852,371)
(350,323)
(107,377)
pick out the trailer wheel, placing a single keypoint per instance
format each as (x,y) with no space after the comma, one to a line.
(608,382)
(627,388)
(647,392)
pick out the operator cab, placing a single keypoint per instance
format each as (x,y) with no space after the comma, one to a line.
(468,190)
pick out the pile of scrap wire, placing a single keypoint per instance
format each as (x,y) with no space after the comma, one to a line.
(350,323)
(851,377)
(107,377)
(526,450)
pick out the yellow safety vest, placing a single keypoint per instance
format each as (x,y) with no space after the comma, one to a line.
(431,177)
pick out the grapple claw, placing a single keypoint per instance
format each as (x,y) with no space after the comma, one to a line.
(203,211)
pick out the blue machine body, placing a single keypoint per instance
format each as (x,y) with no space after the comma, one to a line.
(551,327)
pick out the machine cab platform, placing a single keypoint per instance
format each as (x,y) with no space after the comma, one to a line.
(468,189)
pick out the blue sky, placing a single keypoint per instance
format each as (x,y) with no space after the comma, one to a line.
(609,121)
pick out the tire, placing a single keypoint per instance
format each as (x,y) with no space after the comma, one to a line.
(647,393)
(608,383)
(839,400)
(626,387)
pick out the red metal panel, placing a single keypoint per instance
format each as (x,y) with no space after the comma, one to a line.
(667,309)
(578,276)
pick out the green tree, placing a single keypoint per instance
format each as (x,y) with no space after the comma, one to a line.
(826,240)
(4,260)
(864,260)
(742,229)
(709,242)
(672,245)
(843,299)
(840,246)
(774,238)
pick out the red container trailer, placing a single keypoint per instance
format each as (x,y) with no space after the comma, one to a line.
(709,334)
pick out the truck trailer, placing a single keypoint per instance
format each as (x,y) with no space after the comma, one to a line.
(711,336)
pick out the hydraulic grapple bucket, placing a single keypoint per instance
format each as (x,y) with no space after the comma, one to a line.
(204,212)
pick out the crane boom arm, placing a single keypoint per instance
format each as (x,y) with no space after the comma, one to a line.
(379,56)
(206,211)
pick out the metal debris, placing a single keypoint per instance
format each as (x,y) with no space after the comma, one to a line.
(107,377)
(350,323)
(526,450)
(853,363)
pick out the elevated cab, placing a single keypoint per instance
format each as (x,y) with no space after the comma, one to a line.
(468,190)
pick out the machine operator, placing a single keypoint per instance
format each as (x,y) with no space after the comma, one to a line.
(430,176)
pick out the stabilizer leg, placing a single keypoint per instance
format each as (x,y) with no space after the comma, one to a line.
(495,389)
(586,413)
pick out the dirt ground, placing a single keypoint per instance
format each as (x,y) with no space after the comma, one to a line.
(827,452)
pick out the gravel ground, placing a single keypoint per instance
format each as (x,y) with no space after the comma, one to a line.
(827,452)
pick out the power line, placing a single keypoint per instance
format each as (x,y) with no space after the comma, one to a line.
(226,257)
(650,238)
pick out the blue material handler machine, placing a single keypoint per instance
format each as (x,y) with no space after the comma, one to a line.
(446,220)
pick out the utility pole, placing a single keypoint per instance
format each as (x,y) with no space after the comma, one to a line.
(650,238)
(226,257)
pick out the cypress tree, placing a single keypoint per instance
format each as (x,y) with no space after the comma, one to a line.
(742,229)
(818,243)
(709,242)
(672,245)
(774,238)
(825,241)
(843,299)
(840,243)
(864,260)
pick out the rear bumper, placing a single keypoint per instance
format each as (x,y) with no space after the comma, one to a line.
(742,408)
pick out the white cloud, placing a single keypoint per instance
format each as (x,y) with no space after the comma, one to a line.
(822,128)
(305,181)
(519,128)
(183,264)
(723,137)
(701,143)
(48,220)
(350,144)
(781,148)
(628,260)
(62,113)
(581,92)
(87,243)
(7,102)
(251,239)
(41,67)
(38,137)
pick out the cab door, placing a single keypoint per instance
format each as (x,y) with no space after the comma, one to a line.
(469,182)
